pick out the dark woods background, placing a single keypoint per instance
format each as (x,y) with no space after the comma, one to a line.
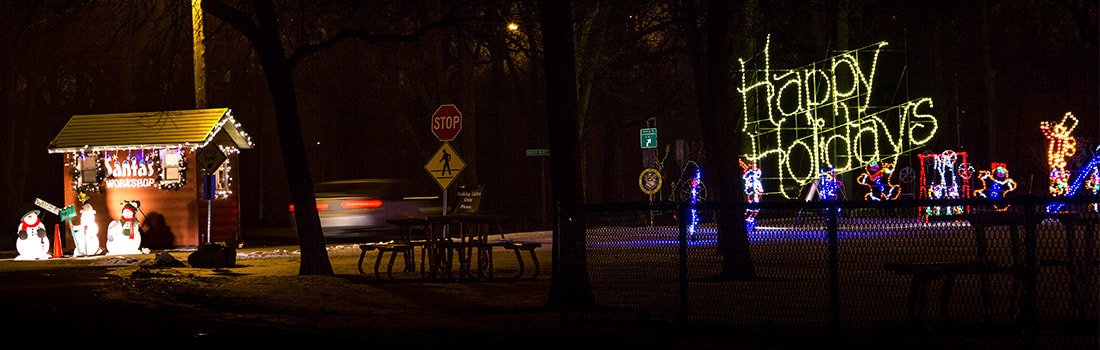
(993,70)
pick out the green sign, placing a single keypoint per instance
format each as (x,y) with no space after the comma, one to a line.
(67,213)
(649,138)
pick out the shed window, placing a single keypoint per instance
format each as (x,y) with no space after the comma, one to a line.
(89,168)
(223,179)
(170,166)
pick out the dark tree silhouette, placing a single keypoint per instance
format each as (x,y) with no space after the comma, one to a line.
(259,23)
(263,33)
(569,284)
(712,57)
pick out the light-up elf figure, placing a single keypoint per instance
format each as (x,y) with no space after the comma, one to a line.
(124,234)
(33,243)
(995,183)
(750,177)
(876,176)
(1093,184)
(1061,146)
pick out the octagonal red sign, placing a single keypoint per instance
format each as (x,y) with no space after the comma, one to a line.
(446,122)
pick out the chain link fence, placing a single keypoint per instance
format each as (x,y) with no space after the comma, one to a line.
(946,272)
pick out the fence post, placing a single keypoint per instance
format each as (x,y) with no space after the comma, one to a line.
(1032,218)
(682,316)
(832,215)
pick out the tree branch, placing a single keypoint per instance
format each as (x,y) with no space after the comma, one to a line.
(239,20)
(354,33)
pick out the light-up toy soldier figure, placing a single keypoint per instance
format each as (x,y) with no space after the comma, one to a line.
(33,243)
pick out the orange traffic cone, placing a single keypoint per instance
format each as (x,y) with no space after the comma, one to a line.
(56,241)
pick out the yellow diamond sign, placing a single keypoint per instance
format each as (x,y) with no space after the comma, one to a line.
(445,165)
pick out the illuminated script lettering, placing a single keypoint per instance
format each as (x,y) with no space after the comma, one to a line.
(822,115)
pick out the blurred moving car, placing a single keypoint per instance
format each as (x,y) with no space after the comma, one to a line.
(359,207)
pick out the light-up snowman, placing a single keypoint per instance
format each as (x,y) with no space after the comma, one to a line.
(124,234)
(33,243)
(86,233)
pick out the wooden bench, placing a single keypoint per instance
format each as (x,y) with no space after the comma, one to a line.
(925,272)
(518,247)
(393,248)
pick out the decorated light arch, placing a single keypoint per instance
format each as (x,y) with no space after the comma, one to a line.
(944,175)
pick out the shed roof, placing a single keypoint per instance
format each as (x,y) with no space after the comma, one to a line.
(164,129)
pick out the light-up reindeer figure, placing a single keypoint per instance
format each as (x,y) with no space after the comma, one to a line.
(876,176)
(750,177)
(995,183)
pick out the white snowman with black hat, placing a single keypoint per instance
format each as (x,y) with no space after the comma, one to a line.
(124,234)
(33,242)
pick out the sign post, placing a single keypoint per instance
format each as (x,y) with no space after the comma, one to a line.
(446,123)
(210,158)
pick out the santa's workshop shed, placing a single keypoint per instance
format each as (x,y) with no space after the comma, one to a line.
(178,168)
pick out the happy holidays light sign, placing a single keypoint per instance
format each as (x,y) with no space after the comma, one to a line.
(822,115)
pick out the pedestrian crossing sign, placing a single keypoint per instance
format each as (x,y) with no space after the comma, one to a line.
(445,165)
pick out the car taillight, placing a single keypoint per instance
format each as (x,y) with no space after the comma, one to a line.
(361,204)
(320,207)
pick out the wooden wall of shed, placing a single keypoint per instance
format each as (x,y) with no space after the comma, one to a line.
(169,218)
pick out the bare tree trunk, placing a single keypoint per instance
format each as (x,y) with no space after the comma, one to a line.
(569,284)
(264,36)
(721,131)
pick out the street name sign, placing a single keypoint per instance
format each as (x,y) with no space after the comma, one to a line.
(648,138)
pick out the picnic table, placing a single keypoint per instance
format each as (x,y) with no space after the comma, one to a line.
(1023,264)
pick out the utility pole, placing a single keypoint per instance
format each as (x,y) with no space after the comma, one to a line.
(199,52)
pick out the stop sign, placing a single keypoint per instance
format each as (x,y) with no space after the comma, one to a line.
(446,122)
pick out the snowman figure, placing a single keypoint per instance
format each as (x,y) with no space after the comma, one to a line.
(86,234)
(123,235)
(33,243)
